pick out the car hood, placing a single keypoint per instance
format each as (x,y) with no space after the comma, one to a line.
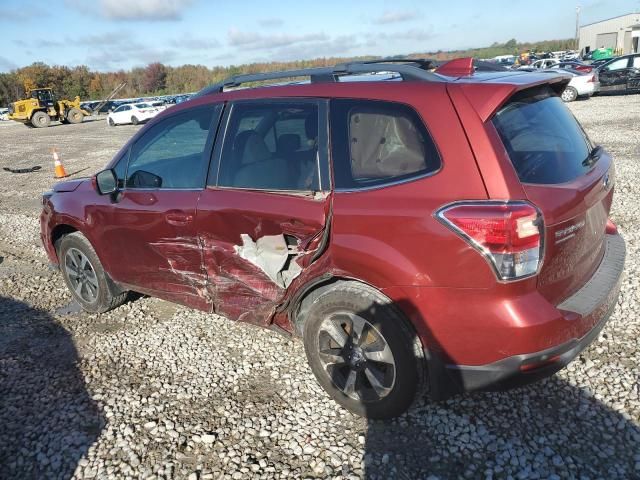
(69,185)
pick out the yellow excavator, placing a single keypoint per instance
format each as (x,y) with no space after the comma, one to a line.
(41,106)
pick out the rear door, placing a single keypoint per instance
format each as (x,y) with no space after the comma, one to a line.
(568,179)
(614,75)
(633,82)
(262,217)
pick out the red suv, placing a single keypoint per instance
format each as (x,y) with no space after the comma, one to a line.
(443,229)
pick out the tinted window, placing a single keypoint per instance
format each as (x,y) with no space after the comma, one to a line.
(544,141)
(271,146)
(171,153)
(378,142)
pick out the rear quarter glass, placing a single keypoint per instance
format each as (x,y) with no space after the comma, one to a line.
(543,140)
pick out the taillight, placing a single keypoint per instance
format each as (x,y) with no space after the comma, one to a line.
(508,234)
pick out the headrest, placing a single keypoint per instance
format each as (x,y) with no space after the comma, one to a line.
(250,147)
(288,143)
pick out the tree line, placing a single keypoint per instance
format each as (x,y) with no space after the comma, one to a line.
(159,79)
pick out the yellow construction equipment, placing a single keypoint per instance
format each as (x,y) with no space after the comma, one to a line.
(41,106)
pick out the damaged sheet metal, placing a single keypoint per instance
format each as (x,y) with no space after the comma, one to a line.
(273,256)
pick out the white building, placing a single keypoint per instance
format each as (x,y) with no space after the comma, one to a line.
(619,33)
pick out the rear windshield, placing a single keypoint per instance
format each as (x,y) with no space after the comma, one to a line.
(545,142)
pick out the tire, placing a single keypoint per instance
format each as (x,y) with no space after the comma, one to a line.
(85,277)
(74,116)
(135,120)
(569,94)
(346,369)
(111,122)
(40,119)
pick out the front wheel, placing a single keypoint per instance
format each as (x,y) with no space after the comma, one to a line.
(569,94)
(40,120)
(75,116)
(84,275)
(361,350)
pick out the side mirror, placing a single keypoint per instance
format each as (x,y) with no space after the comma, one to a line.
(106,182)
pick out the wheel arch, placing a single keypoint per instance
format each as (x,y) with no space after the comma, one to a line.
(60,231)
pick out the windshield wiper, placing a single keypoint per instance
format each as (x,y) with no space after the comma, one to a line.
(593,157)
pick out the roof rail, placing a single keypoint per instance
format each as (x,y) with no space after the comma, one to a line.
(331,74)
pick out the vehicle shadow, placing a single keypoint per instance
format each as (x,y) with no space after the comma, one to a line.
(48,420)
(542,430)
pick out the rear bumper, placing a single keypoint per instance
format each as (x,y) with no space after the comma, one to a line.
(596,299)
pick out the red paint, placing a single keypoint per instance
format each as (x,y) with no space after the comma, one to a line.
(456,68)
(180,245)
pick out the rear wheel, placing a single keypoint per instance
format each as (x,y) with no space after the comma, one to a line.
(569,94)
(74,115)
(360,348)
(40,119)
(135,120)
(84,275)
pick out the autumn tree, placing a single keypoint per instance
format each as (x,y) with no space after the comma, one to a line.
(154,78)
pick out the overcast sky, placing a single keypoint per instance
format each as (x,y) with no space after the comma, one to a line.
(115,34)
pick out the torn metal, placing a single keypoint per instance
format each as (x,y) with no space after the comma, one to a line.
(273,256)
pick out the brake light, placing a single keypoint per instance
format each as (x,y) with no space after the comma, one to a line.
(508,234)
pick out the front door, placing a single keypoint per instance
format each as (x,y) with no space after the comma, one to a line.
(149,229)
(262,218)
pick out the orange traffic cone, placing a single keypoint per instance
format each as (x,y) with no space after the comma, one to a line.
(58,169)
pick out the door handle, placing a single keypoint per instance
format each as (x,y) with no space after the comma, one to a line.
(178,218)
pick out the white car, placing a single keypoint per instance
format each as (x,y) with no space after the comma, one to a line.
(545,63)
(134,113)
(581,84)
(4,114)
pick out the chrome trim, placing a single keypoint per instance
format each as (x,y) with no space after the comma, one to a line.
(161,189)
(439,215)
(390,183)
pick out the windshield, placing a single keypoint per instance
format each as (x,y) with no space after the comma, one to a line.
(545,142)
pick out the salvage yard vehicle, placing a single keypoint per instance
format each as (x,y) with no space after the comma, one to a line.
(581,84)
(134,113)
(446,229)
(620,74)
(41,106)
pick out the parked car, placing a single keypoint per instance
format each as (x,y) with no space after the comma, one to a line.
(581,84)
(620,74)
(134,113)
(545,63)
(106,108)
(4,114)
(581,67)
(447,229)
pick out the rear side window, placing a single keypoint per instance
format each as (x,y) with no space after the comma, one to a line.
(271,146)
(544,141)
(376,142)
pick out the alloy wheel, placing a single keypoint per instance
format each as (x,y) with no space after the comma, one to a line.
(356,357)
(81,275)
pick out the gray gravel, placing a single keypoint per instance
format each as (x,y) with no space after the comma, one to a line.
(154,390)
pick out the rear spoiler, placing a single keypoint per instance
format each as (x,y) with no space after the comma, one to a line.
(488,97)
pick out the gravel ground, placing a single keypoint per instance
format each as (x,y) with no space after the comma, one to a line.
(154,390)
